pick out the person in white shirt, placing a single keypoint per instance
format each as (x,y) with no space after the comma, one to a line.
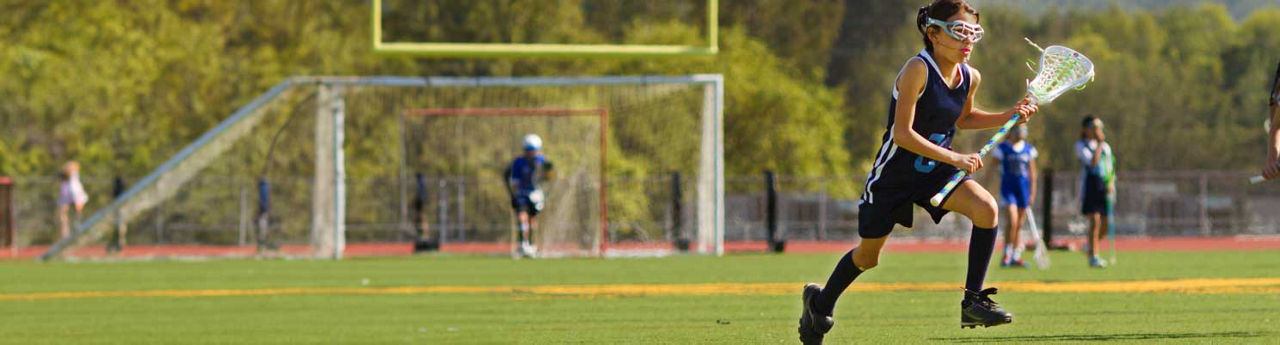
(70,193)
(1098,184)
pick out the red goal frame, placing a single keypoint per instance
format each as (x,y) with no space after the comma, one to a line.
(602,113)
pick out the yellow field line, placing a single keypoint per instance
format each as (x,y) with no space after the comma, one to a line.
(1192,286)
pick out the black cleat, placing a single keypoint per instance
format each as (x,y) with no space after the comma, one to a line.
(813,326)
(977,309)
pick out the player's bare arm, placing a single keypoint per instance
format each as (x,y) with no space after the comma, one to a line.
(977,118)
(911,82)
(1272,169)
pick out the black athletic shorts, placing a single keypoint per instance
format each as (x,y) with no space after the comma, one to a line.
(1094,198)
(522,203)
(893,204)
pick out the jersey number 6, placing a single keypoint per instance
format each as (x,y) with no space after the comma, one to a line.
(925,166)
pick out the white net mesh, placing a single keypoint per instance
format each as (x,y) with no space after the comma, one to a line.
(463,143)
(1061,69)
(466,151)
(613,193)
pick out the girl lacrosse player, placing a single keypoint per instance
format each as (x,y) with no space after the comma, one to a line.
(1098,183)
(933,96)
(1017,159)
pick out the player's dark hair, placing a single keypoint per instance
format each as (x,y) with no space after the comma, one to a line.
(1084,124)
(941,10)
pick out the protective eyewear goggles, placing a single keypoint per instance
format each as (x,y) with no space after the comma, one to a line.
(959,29)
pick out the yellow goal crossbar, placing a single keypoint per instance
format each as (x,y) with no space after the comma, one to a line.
(460,49)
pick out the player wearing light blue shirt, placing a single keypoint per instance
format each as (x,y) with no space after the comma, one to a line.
(1098,183)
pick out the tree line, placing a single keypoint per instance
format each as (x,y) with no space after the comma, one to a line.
(123,85)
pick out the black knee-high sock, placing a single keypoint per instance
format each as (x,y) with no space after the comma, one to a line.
(981,243)
(841,277)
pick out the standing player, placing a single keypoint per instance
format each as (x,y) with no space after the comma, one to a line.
(1272,169)
(933,96)
(263,234)
(70,194)
(120,233)
(527,198)
(1017,189)
(1098,185)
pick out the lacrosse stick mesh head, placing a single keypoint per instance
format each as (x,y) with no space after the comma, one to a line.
(1061,69)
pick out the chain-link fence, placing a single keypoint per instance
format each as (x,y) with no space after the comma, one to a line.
(1151,204)
(223,210)
(1148,204)
(1176,203)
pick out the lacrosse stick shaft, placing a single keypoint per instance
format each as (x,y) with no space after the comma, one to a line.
(1111,226)
(936,200)
(1042,254)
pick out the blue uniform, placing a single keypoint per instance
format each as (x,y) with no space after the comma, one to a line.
(899,177)
(1015,172)
(525,173)
(264,197)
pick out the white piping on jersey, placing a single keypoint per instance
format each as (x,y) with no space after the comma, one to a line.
(895,81)
(879,165)
(928,59)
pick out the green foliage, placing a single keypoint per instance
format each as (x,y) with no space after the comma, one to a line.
(122,85)
(1180,87)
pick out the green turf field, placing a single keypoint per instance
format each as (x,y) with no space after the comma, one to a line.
(390,300)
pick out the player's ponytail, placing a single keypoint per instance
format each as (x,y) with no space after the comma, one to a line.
(922,18)
(940,10)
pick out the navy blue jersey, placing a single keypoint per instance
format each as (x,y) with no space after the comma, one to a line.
(264,196)
(937,110)
(525,173)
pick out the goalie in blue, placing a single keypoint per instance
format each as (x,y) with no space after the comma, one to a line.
(523,178)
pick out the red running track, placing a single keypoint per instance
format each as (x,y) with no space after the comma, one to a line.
(404,249)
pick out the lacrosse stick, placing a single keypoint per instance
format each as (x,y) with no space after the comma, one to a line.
(1111,226)
(1042,251)
(1060,69)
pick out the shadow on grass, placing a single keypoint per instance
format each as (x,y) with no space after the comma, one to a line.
(1101,337)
